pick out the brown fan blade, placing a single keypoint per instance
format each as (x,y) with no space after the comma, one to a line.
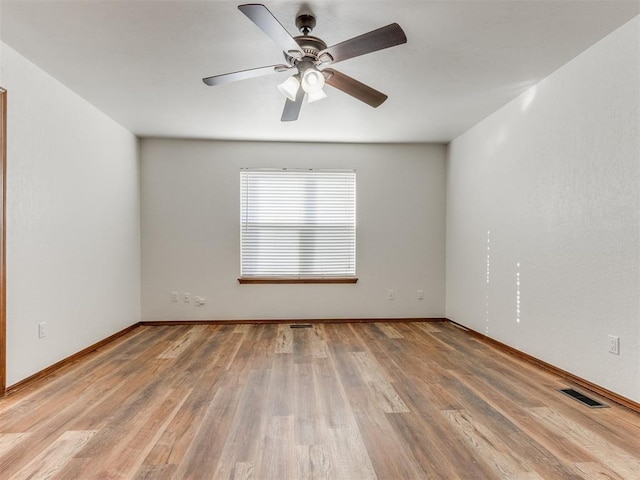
(244,74)
(292,109)
(264,19)
(353,87)
(379,39)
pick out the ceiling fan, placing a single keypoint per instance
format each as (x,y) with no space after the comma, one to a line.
(309,57)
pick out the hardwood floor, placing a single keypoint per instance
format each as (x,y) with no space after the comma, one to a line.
(351,401)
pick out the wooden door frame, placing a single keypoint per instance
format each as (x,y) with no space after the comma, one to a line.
(3,236)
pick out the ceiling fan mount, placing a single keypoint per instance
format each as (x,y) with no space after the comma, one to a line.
(311,58)
(305,23)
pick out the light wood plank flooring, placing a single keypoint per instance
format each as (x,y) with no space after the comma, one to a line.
(336,401)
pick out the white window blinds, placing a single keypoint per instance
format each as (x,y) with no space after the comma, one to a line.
(298,223)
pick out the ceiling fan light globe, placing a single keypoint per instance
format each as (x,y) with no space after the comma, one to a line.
(312,81)
(315,96)
(289,88)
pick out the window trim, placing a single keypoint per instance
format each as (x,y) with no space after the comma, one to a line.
(293,280)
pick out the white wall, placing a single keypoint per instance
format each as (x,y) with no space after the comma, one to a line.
(553,179)
(73,242)
(191,231)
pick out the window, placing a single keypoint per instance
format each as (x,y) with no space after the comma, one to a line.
(298,226)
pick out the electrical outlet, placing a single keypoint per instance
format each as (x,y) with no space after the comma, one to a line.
(186,297)
(420,294)
(175,296)
(614,345)
(42,329)
(391,295)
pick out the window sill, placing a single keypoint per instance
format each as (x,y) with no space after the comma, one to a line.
(279,280)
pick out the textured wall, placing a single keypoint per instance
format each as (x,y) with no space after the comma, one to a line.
(543,222)
(73,242)
(191,231)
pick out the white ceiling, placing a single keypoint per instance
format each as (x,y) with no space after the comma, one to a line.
(142,61)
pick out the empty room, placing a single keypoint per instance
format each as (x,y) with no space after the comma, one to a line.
(320,240)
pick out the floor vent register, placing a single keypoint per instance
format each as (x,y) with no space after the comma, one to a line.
(582,398)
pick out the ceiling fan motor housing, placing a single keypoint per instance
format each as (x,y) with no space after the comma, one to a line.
(310,46)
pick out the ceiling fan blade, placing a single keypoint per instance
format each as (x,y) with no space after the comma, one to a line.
(353,87)
(263,18)
(244,74)
(375,40)
(292,108)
